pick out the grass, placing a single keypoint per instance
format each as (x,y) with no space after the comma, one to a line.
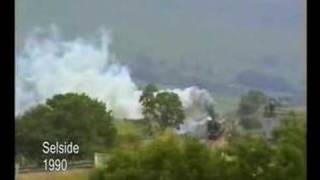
(226,104)
(77,174)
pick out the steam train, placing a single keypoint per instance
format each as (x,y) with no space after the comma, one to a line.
(203,128)
(214,130)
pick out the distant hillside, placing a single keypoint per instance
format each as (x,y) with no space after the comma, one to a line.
(208,43)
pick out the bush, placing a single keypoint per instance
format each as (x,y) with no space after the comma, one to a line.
(249,157)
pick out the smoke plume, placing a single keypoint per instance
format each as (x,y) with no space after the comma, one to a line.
(48,65)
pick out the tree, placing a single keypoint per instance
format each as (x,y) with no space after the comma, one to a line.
(64,118)
(249,157)
(168,110)
(249,105)
(147,99)
(163,108)
(251,102)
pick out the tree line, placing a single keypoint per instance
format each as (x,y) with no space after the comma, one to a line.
(89,123)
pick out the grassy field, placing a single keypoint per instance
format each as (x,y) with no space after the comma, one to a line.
(76,174)
(226,104)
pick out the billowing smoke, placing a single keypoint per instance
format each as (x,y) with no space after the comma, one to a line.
(195,102)
(48,65)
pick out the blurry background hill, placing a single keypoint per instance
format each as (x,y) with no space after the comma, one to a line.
(224,46)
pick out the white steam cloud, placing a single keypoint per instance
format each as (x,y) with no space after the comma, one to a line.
(48,65)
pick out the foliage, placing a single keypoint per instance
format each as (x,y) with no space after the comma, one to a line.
(129,134)
(169,111)
(172,157)
(249,106)
(250,102)
(290,152)
(167,157)
(64,118)
(161,108)
(147,99)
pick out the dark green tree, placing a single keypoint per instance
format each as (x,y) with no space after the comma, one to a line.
(163,108)
(168,110)
(251,102)
(249,105)
(147,99)
(66,117)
